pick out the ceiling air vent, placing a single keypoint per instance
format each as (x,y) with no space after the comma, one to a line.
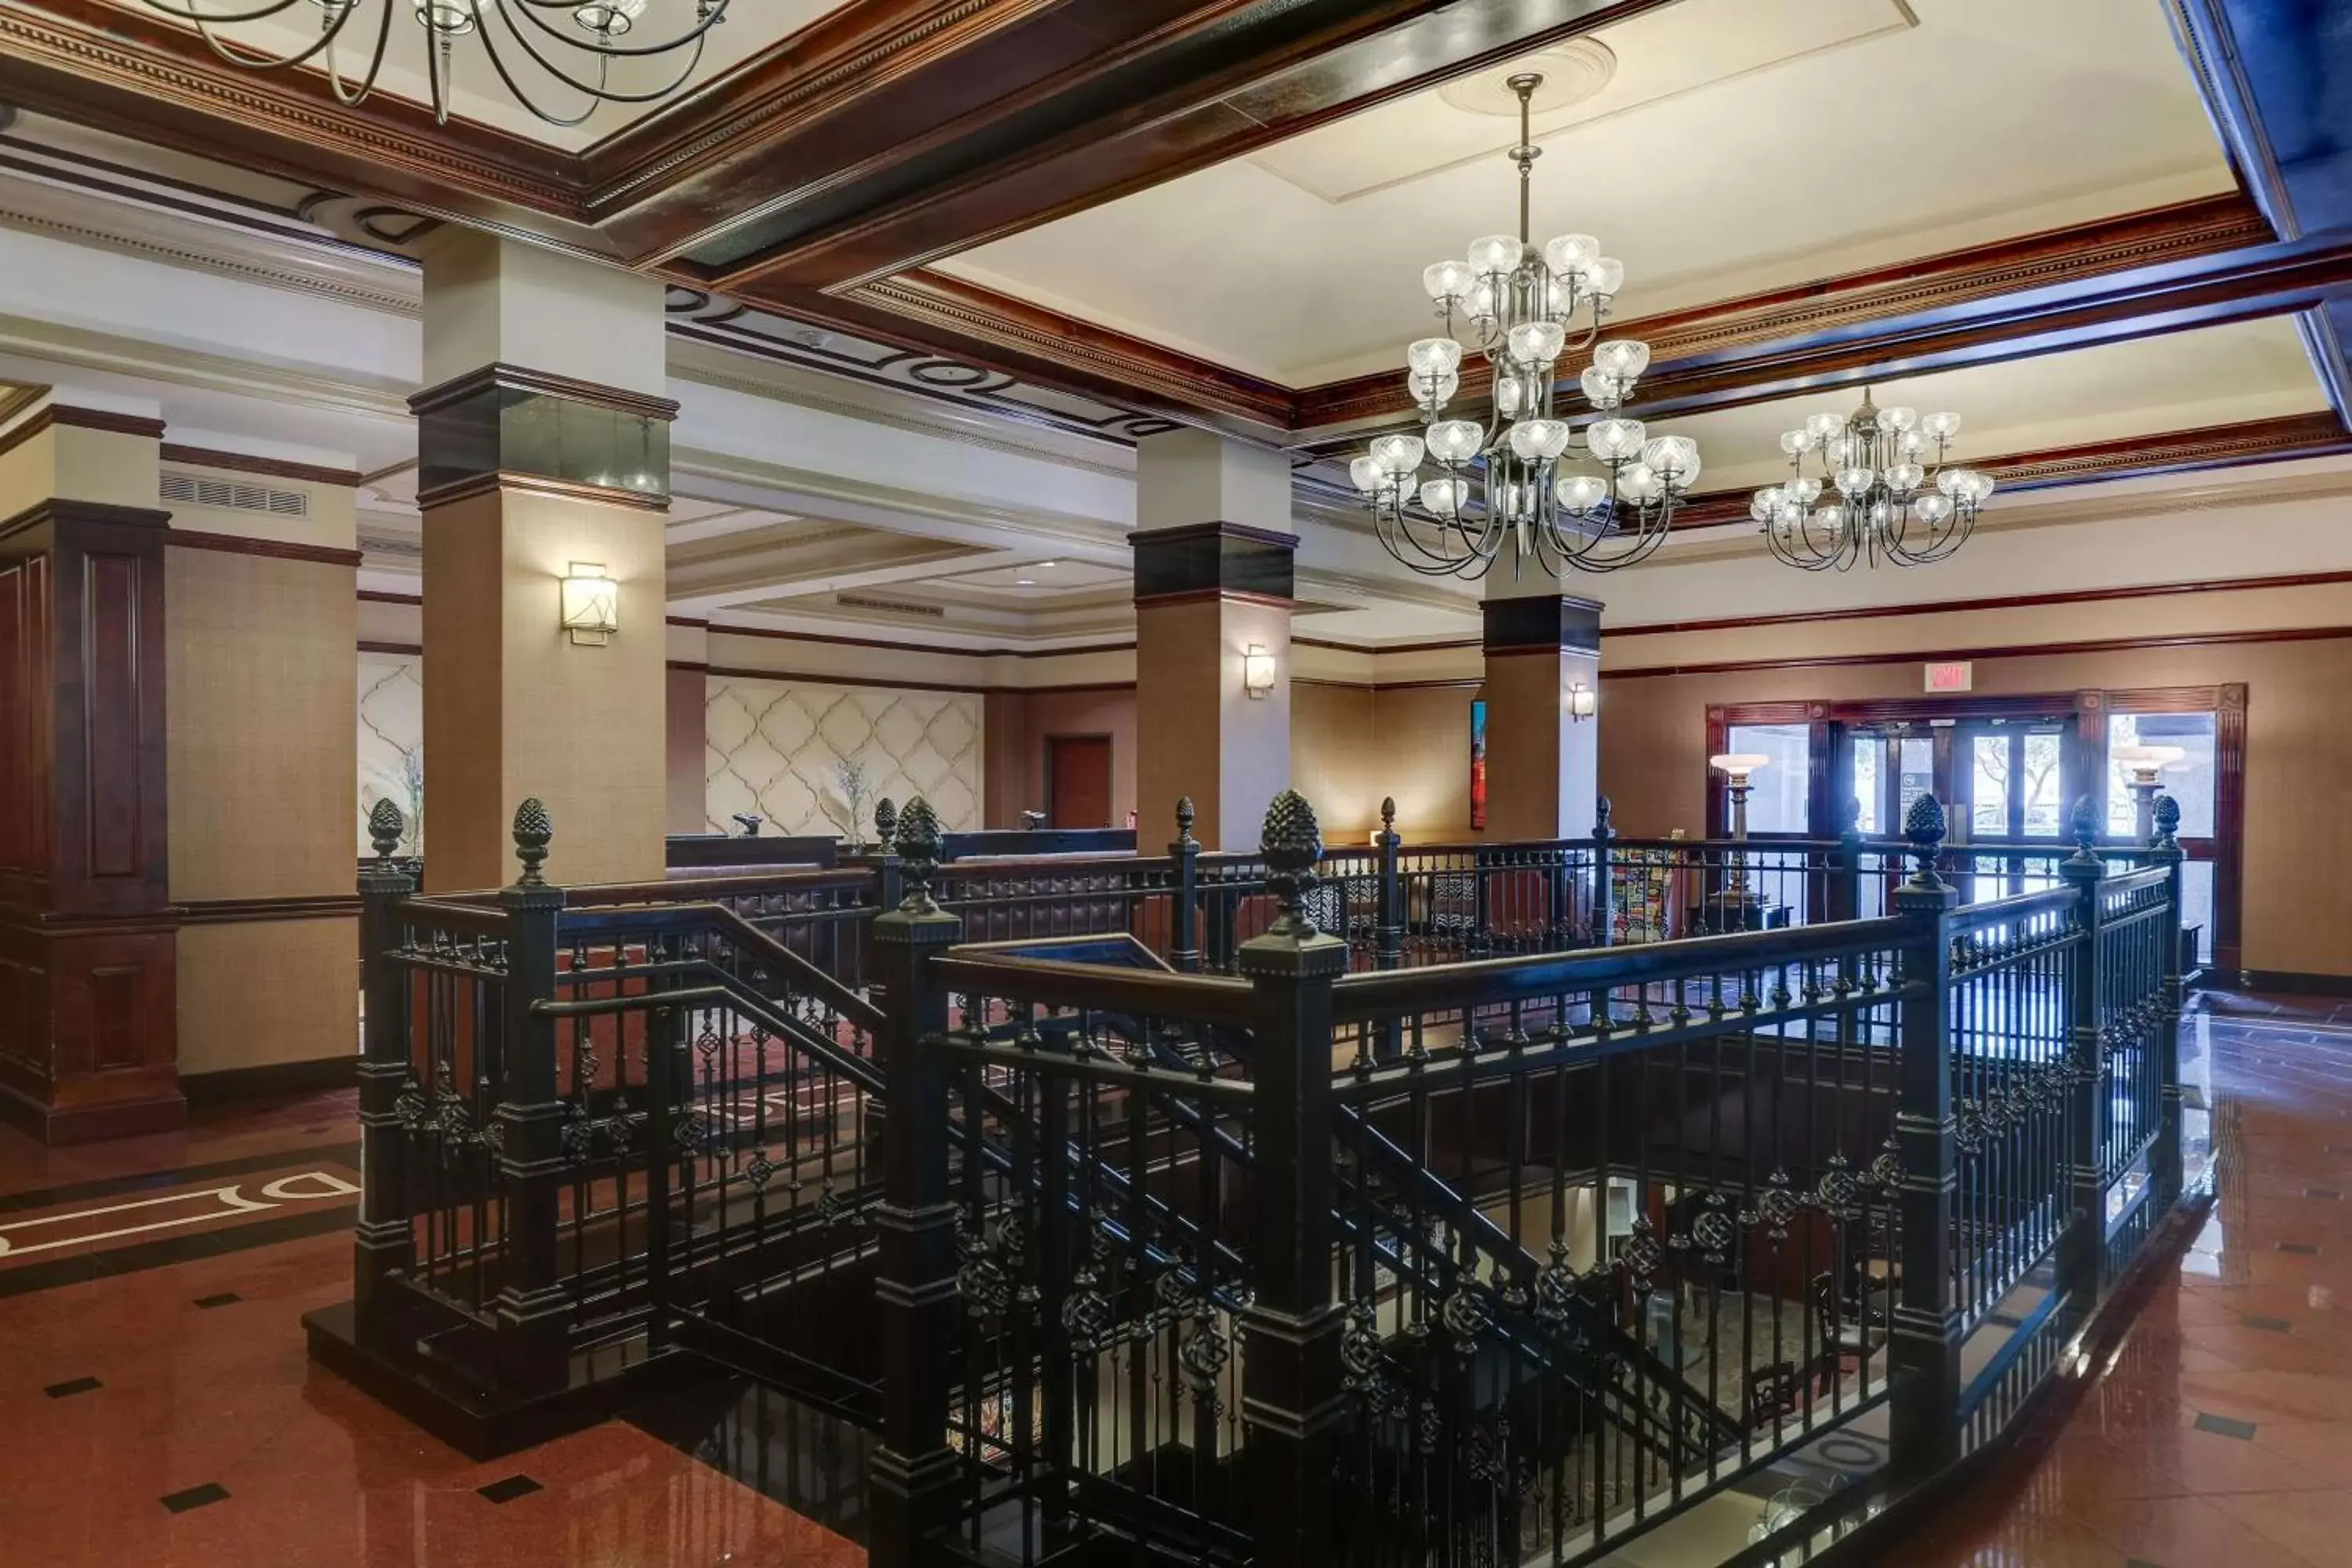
(196,490)
(890,606)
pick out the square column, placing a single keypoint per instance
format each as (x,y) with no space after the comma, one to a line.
(1212,583)
(543,451)
(89,1040)
(1543,763)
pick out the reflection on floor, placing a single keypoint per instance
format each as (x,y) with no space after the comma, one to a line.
(156,1406)
(2223,1432)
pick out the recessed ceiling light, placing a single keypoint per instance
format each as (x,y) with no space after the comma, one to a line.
(1024,582)
(1049,564)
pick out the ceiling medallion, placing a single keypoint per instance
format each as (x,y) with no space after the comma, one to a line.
(562,38)
(1509,481)
(1892,495)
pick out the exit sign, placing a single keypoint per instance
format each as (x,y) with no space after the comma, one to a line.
(1959,674)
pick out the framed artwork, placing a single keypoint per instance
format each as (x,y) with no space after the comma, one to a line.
(1478,762)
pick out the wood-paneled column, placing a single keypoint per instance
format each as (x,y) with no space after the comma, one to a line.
(1212,582)
(543,445)
(1543,765)
(88,1037)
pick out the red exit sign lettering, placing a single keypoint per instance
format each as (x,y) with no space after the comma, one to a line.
(1957,675)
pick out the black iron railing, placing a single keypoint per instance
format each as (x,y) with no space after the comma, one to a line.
(1381,1207)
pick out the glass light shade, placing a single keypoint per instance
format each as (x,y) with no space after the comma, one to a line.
(1432,393)
(1792,515)
(1905,477)
(1539,440)
(1675,457)
(1825,427)
(1797,442)
(1455,440)
(1831,520)
(1855,481)
(1480,301)
(1258,671)
(1738,764)
(1537,342)
(1507,396)
(1569,253)
(1447,279)
(2149,760)
(1614,440)
(1602,389)
(1804,492)
(1495,253)
(1911,444)
(1880,513)
(610,18)
(1444,497)
(1398,455)
(1763,507)
(1606,276)
(1640,483)
(1933,510)
(1433,356)
(591,604)
(1623,357)
(1897,419)
(1974,485)
(1583,702)
(1940,427)
(1582,493)
(1368,474)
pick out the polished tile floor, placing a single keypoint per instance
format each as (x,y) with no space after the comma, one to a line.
(156,1406)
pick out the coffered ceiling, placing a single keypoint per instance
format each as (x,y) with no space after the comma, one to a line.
(1739,147)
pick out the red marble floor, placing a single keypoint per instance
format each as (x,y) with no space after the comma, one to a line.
(2221,1433)
(160,1411)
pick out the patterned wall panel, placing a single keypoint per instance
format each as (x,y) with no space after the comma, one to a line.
(392,742)
(772,747)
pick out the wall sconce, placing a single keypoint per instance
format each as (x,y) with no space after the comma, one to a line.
(591,604)
(1582,702)
(1258,671)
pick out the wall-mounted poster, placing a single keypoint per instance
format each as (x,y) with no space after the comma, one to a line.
(1478,762)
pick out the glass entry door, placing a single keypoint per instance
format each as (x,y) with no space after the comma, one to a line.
(2008,789)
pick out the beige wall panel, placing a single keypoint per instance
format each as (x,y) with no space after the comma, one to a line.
(683,747)
(775,747)
(2298,906)
(1178,713)
(255,993)
(1004,764)
(389,623)
(261,673)
(1423,738)
(1112,713)
(845,662)
(104,466)
(463,625)
(28,470)
(1335,757)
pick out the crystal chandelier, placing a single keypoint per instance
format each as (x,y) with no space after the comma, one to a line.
(574,41)
(1890,494)
(1516,478)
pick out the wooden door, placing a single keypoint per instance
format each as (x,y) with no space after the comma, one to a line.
(1077,781)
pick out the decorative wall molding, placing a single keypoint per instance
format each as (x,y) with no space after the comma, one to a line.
(772,745)
(1999,650)
(273,549)
(272,467)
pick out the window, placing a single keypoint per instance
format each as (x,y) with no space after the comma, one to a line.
(1869,752)
(2189,780)
(1781,798)
(1918,777)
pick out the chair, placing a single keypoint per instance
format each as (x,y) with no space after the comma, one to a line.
(1774,1394)
(1841,1329)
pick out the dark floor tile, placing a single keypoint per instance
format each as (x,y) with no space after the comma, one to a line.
(225,1299)
(514,1487)
(2300,1248)
(2224,1426)
(72,1385)
(2276,1325)
(195,1497)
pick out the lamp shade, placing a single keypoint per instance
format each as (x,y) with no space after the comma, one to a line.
(1738,765)
(591,604)
(2147,760)
(1257,671)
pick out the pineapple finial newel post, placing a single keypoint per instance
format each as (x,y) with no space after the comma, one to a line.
(1291,842)
(918,844)
(533,831)
(386,827)
(2168,824)
(1185,817)
(2084,822)
(885,826)
(1923,825)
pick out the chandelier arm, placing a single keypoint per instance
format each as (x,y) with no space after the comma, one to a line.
(596,97)
(376,62)
(237,57)
(1396,525)
(599,94)
(530,9)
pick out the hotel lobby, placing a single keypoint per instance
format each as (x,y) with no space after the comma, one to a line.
(1374,784)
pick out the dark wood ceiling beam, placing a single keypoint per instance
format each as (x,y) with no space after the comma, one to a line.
(2288,437)
(1218,87)
(1865,310)
(2277,80)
